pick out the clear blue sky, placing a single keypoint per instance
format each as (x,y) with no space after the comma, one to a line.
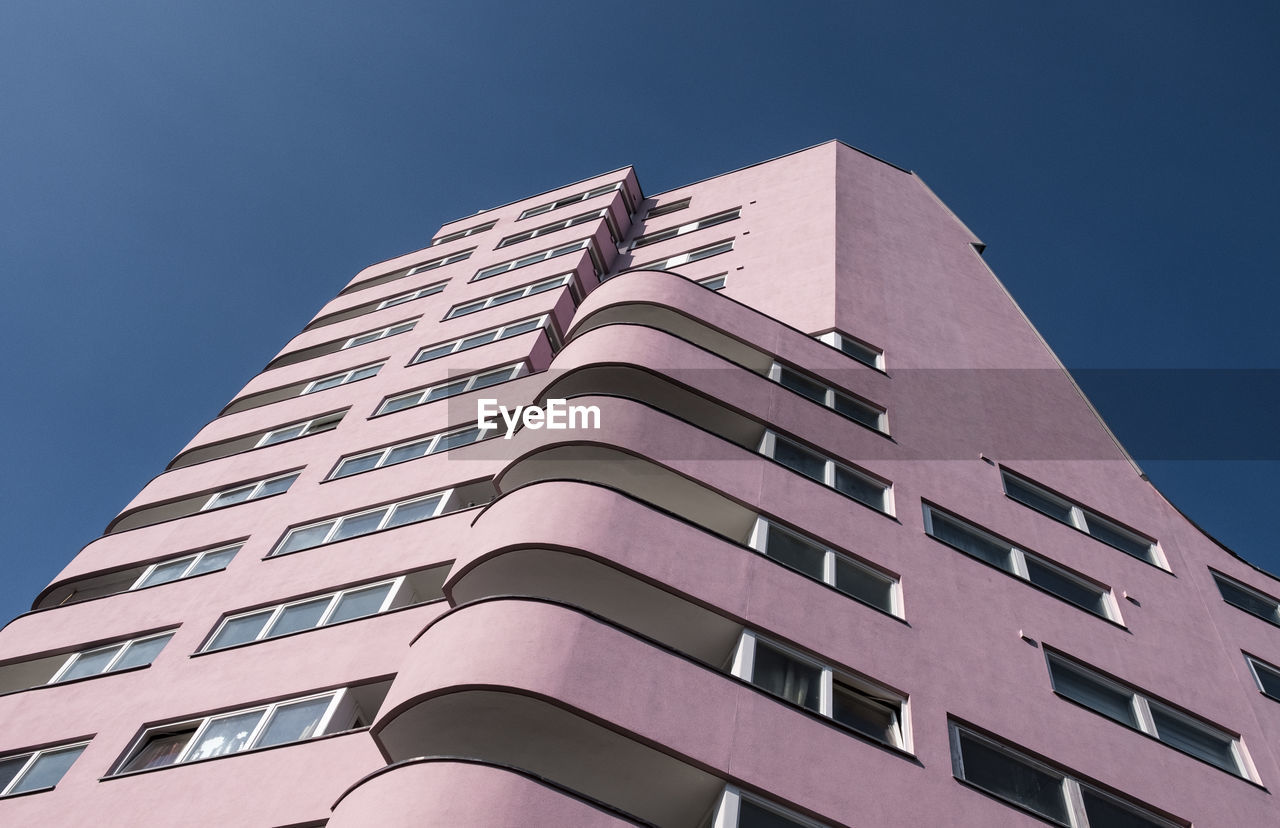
(185,183)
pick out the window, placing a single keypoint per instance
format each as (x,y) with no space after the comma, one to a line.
(405,452)
(374,336)
(582,218)
(1014,777)
(362,523)
(864,353)
(1248,599)
(452,388)
(1131,708)
(716,282)
(567,200)
(429,290)
(440,262)
(862,707)
(188,566)
(976,543)
(292,432)
(475,340)
(293,720)
(251,491)
(663,209)
(323,610)
(735,809)
(687,257)
(1267,676)
(534,258)
(333,381)
(123,655)
(432,264)
(672,232)
(37,771)
(860,411)
(807,557)
(857,485)
(462,234)
(1072,514)
(510,295)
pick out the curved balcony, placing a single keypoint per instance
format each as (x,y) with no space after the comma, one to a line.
(448,792)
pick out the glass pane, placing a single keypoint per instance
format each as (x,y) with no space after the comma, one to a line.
(363,340)
(1006,777)
(1117,537)
(305,538)
(783,676)
(399,300)
(140,653)
(802,385)
(798,554)
(1064,586)
(324,384)
(240,630)
(478,340)
(228,734)
(485,380)
(751,815)
(871,587)
(491,271)
(414,511)
(470,307)
(1268,679)
(541,286)
(458,438)
(297,617)
(364,373)
(326,424)
(277,486)
(359,603)
(797,459)
(1247,601)
(409,452)
(859,488)
(859,352)
(858,411)
(359,525)
(166,572)
(528,260)
(1106,813)
(213,561)
(9,769)
(864,714)
(91,663)
(1196,739)
(434,353)
(234,496)
(355,465)
(160,750)
(294,722)
(399,329)
(449,390)
(47,770)
(1103,698)
(399,403)
(966,540)
(522,327)
(283,434)
(1023,493)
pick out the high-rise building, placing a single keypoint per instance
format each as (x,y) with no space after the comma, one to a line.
(808,527)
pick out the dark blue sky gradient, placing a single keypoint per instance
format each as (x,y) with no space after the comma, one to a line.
(184,184)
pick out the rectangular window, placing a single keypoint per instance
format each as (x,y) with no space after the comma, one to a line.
(864,353)
(396,275)
(292,432)
(1267,676)
(250,491)
(848,481)
(429,290)
(860,411)
(462,234)
(1046,791)
(334,380)
(567,200)
(440,262)
(687,257)
(188,566)
(1248,599)
(857,580)
(381,333)
(963,536)
(1077,517)
(716,282)
(122,655)
(452,388)
(858,705)
(510,295)
(583,218)
(475,340)
(699,224)
(535,258)
(38,771)
(735,809)
(364,522)
(404,452)
(664,209)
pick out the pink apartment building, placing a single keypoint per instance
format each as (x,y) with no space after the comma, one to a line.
(835,541)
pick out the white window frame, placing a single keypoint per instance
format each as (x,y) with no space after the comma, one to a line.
(830,396)
(759,542)
(433,264)
(716,282)
(1072,788)
(768,446)
(500,333)
(397,587)
(122,646)
(697,254)
(462,234)
(564,224)
(728,807)
(542,209)
(539,257)
(513,295)
(837,340)
(381,333)
(255,494)
(1079,518)
(1219,580)
(32,759)
(1018,563)
(316,425)
(470,381)
(743,667)
(346,378)
(337,520)
(658,210)
(433,442)
(141,582)
(723,217)
(429,290)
